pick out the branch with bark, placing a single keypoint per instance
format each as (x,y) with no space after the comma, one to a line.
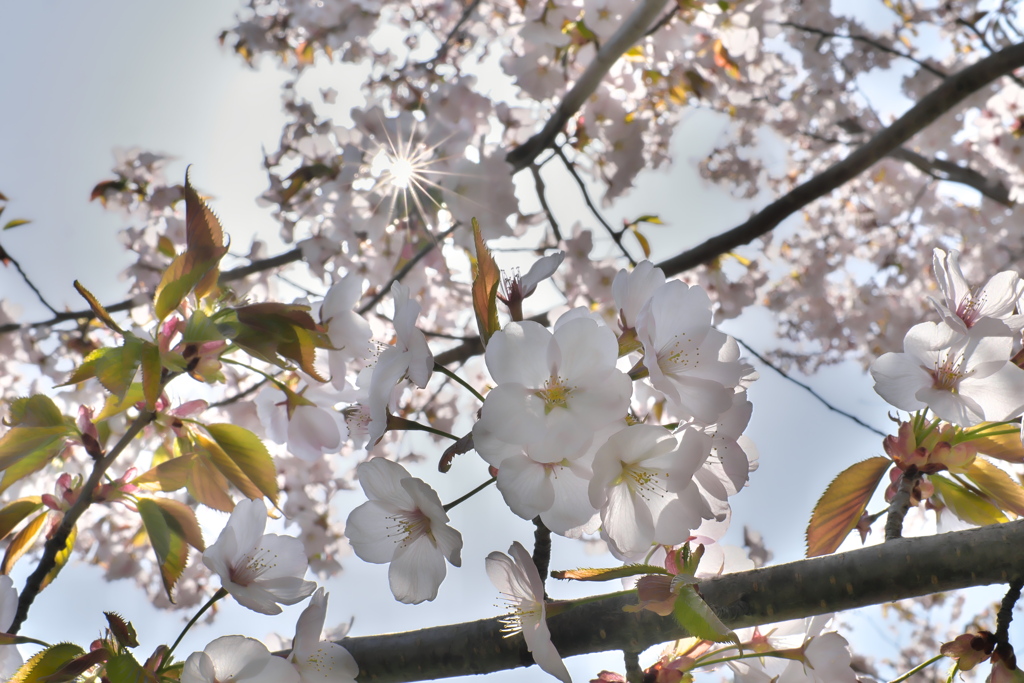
(895,570)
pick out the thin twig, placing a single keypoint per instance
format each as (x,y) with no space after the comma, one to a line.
(615,234)
(538,183)
(404,270)
(58,541)
(867,41)
(5,256)
(806,387)
(442,52)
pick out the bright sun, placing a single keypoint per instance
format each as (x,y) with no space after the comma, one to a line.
(401,173)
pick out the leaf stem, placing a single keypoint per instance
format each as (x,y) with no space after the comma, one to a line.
(469,495)
(917,668)
(445,371)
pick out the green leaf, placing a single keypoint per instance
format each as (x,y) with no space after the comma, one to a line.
(78,666)
(116,405)
(842,505)
(648,218)
(999,486)
(200,328)
(124,668)
(251,456)
(207,485)
(35,411)
(168,540)
(587,574)
(965,504)
(1006,447)
(24,450)
(644,244)
(152,373)
(47,662)
(14,513)
(486,279)
(269,330)
(228,467)
(170,475)
(186,519)
(97,308)
(693,614)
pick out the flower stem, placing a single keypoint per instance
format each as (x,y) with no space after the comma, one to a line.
(469,495)
(403,425)
(445,371)
(202,610)
(917,668)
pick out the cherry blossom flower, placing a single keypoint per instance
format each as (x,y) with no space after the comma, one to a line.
(811,657)
(410,358)
(555,389)
(237,658)
(261,571)
(309,429)
(963,380)
(964,307)
(348,331)
(315,659)
(692,363)
(403,523)
(10,657)
(634,288)
(519,583)
(643,486)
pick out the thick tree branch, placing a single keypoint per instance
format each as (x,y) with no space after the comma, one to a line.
(896,570)
(943,169)
(947,95)
(632,30)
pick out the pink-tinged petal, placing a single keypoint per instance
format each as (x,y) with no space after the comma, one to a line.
(289,590)
(1000,395)
(237,656)
(541,270)
(571,507)
(632,289)
(371,532)
(999,295)
(493,450)
(416,572)
(513,414)
(898,378)
(281,556)
(328,662)
(198,669)
(627,521)
(310,625)
(505,576)
(525,486)
(522,353)
(924,339)
(585,346)
(248,521)
(538,641)
(312,432)
(677,518)
(254,597)
(959,409)
(524,562)
(381,480)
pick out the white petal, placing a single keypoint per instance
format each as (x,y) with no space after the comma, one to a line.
(417,571)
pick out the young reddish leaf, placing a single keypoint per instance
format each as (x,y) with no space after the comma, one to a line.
(78,666)
(24,450)
(168,541)
(207,485)
(60,559)
(22,541)
(270,330)
(250,454)
(997,485)
(1006,447)
(486,279)
(195,268)
(149,359)
(693,614)
(228,467)
(841,506)
(47,662)
(123,630)
(601,574)
(97,308)
(15,512)
(966,505)
(186,519)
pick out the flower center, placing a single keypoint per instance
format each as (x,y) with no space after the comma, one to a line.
(512,624)
(555,393)
(968,308)
(642,482)
(947,375)
(253,566)
(407,526)
(679,356)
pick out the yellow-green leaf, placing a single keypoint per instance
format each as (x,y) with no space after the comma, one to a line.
(186,519)
(602,574)
(97,308)
(124,668)
(695,616)
(997,485)
(1006,447)
(644,244)
(149,359)
(78,666)
(115,405)
(170,475)
(207,485)
(14,513)
(61,559)
(251,456)
(842,505)
(15,222)
(35,411)
(21,542)
(966,505)
(228,467)
(24,450)
(47,662)
(486,278)
(168,541)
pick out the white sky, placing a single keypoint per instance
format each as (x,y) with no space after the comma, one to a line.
(81,78)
